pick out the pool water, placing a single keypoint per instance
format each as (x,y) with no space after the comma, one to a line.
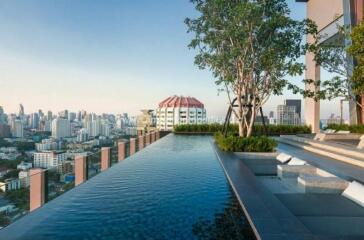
(172,189)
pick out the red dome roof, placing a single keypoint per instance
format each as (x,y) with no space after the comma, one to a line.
(176,101)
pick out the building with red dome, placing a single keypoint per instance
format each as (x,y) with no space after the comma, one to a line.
(177,110)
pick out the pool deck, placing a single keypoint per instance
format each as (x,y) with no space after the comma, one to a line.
(276,214)
(269,218)
(343,170)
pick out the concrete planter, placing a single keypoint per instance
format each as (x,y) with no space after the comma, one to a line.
(256,155)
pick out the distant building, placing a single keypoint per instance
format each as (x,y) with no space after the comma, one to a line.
(294,102)
(61,128)
(287,115)
(10,184)
(17,128)
(178,110)
(4,130)
(48,159)
(24,166)
(259,120)
(2,116)
(47,144)
(82,135)
(24,179)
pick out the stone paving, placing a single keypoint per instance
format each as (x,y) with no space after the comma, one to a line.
(279,209)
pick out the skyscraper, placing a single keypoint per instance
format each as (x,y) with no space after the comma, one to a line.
(2,116)
(296,103)
(61,128)
(286,115)
(17,129)
(21,110)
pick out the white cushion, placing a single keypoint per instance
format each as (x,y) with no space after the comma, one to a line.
(283,157)
(355,192)
(329,131)
(296,161)
(343,132)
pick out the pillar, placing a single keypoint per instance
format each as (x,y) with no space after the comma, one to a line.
(38,188)
(105,158)
(141,142)
(158,135)
(147,139)
(80,169)
(121,151)
(132,146)
(153,137)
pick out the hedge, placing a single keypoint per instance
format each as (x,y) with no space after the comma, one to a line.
(273,130)
(248,144)
(345,127)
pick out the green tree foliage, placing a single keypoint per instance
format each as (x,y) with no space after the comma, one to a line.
(356,50)
(250,47)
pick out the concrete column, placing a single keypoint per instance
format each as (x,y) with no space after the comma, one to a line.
(80,169)
(105,158)
(147,139)
(132,146)
(153,137)
(121,151)
(157,135)
(38,188)
(141,142)
(312,107)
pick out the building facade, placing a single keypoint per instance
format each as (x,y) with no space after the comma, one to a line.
(287,115)
(61,128)
(49,159)
(177,110)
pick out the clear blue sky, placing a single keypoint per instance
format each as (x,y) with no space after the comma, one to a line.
(102,56)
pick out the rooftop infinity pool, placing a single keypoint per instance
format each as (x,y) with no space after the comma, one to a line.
(173,189)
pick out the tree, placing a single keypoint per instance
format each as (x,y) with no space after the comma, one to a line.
(250,47)
(356,50)
(333,56)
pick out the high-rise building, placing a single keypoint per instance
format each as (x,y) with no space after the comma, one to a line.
(61,128)
(3,117)
(34,121)
(17,128)
(105,129)
(296,103)
(21,110)
(63,114)
(287,115)
(4,130)
(49,116)
(177,110)
(72,116)
(82,135)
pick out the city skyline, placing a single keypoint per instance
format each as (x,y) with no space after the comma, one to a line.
(116,57)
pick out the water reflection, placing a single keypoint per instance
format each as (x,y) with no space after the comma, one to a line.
(228,224)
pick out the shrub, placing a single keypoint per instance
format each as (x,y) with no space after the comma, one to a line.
(345,127)
(273,130)
(233,143)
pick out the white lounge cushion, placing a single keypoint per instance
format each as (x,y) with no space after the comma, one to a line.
(343,132)
(296,161)
(355,192)
(283,157)
(329,131)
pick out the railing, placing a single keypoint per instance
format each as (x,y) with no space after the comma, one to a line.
(43,185)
